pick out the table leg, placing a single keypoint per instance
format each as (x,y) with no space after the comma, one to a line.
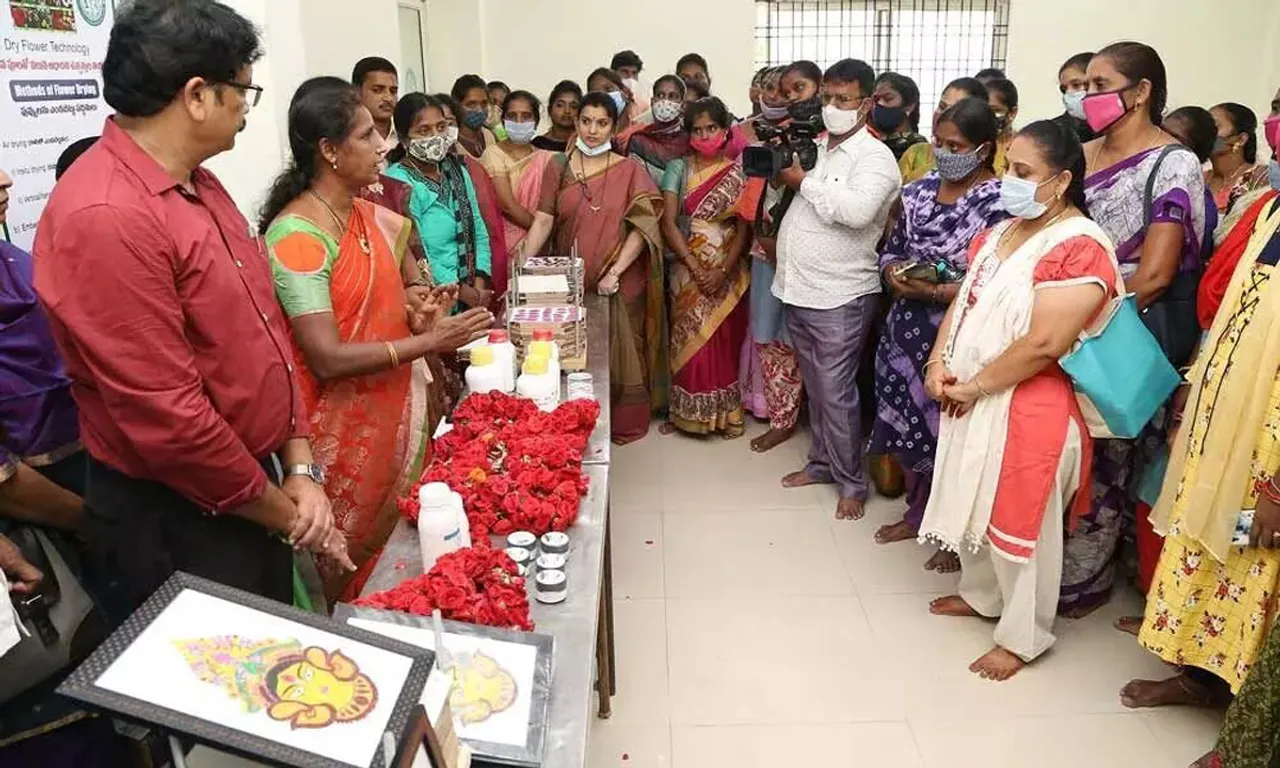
(606,676)
(604,673)
(608,592)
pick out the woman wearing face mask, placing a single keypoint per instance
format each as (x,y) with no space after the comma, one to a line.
(562,108)
(896,115)
(516,167)
(941,214)
(769,371)
(1212,597)
(608,82)
(606,208)
(344,278)
(498,93)
(918,159)
(472,94)
(487,198)
(709,279)
(1235,172)
(443,206)
(1013,447)
(1073,84)
(657,143)
(1155,243)
(1003,96)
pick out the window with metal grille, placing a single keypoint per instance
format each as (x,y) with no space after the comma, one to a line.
(931,41)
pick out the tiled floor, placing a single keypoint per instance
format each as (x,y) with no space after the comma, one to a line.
(753,629)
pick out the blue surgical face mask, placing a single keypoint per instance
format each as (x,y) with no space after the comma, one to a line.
(475,118)
(619,100)
(520,133)
(1019,197)
(1273,173)
(591,151)
(1074,102)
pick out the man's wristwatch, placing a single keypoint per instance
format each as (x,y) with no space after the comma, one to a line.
(313,471)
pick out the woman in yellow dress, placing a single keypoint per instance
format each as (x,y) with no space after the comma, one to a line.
(1213,599)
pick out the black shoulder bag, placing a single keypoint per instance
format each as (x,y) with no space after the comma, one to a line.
(1172,317)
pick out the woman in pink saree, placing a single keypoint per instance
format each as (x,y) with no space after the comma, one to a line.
(709,279)
(608,208)
(517,167)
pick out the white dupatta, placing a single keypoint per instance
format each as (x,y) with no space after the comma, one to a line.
(970,449)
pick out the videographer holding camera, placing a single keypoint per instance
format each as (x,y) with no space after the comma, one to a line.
(841,185)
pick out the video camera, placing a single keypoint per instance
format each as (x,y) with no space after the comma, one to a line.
(780,145)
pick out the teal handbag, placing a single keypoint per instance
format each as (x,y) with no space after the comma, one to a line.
(1120,374)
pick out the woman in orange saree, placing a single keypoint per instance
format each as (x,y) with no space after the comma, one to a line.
(710,278)
(607,207)
(361,320)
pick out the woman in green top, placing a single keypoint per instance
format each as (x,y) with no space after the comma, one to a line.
(443,204)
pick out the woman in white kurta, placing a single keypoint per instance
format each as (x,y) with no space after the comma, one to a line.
(1012,446)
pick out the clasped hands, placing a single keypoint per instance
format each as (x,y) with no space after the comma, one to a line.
(428,311)
(957,397)
(312,527)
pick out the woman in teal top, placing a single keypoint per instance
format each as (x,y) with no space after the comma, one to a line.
(443,204)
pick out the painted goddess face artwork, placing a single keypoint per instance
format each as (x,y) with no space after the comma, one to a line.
(306,687)
(481,688)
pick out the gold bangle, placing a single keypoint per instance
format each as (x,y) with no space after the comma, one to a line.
(977,382)
(932,362)
(391,350)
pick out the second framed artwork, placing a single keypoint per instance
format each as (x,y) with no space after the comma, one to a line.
(257,678)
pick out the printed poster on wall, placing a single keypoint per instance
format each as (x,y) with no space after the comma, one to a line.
(51,55)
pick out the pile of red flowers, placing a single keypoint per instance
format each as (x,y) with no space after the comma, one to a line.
(478,585)
(516,468)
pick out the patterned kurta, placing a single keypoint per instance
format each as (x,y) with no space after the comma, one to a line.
(1201,612)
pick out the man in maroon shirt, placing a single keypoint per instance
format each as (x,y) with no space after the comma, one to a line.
(161,302)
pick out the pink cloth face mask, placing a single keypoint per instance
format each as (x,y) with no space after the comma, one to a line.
(1102,110)
(1271,129)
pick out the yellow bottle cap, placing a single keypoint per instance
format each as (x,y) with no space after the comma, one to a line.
(535,365)
(482,355)
(540,348)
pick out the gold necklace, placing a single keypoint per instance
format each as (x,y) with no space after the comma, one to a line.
(337,222)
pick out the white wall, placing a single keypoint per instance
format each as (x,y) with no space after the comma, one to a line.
(1213,51)
(302,38)
(534,45)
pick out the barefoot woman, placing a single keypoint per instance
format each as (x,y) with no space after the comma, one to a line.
(709,278)
(941,214)
(1012,446)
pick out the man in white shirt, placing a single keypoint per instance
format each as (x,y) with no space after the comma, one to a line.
(828,270)
(379,85)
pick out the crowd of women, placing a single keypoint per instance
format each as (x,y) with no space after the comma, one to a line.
(1032,235)
(393,231)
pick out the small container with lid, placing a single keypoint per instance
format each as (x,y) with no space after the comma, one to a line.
(522,539)
(537,385)
(556,543)
(546,349)
(580,386)
(483,373)
(504,356)
(551,587)
(522,557)
(551,562)
(442,523)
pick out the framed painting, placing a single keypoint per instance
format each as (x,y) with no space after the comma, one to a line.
(500,686)
(257,678)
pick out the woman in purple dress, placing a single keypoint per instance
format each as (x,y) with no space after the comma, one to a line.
(941,213)
(1147,193)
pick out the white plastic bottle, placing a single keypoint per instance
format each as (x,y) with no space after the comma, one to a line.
(545,334)
(504,356)
(442,524)
(540,348)
(536,384)
(483,374)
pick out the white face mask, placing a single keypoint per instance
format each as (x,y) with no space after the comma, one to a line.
(590,151)
(666,110)
(1019,197)
(1073,101)
(840,121)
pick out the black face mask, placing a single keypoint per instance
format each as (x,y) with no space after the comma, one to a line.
(806,111)
(887,119)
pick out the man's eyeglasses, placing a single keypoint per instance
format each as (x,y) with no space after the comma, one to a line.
(252,93)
